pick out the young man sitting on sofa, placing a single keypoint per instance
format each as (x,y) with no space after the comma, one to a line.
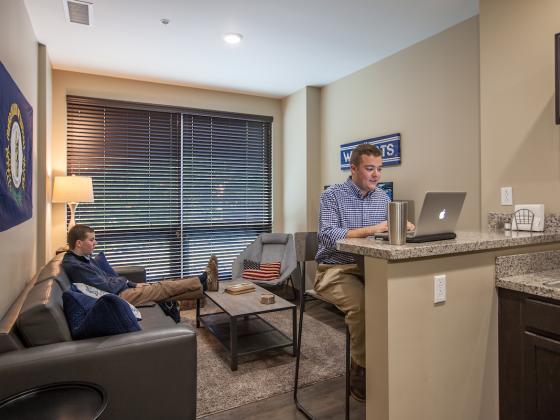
(81,267)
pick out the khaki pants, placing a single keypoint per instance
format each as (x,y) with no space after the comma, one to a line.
(344,286)
(180,289)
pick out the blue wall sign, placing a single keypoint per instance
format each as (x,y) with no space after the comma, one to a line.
(390,146)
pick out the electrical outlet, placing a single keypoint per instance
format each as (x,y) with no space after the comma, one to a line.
(440,288)
(506,196)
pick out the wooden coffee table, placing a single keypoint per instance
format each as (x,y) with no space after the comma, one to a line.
(239,327)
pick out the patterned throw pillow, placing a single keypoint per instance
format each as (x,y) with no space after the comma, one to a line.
(265,272)
(251,265)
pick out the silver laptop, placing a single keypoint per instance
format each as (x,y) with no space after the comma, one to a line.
(438,217)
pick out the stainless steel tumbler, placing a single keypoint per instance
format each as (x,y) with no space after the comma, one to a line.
(397,222)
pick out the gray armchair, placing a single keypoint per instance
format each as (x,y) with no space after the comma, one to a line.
(269,247)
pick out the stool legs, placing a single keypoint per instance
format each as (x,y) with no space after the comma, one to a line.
(299,406)
(347,373)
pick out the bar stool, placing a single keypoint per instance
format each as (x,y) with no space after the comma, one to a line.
(306,249)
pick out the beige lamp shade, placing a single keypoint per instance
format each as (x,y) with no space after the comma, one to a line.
(72,189)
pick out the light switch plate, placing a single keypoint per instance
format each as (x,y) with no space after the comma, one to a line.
(440,291)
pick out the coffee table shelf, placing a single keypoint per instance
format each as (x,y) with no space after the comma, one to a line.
(254,334)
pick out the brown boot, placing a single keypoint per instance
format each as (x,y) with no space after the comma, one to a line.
(212,273)
(357,382)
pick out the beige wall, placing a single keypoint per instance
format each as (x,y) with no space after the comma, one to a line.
(71,83)
(44,128)
(429,93)
(314,186)
(520,142)
(18,53)
(294,108)
(301,167)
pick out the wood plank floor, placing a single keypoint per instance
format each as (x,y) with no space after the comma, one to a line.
(325,400)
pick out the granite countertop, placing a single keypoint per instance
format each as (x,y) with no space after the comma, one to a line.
(464,243)
(530,273)
(533,283)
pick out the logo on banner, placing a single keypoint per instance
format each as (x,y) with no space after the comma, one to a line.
(14,154)
(389,145)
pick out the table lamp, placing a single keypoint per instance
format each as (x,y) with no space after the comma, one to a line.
(72,190)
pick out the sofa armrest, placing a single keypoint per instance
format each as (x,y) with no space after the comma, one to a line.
(146,374)
(134,273)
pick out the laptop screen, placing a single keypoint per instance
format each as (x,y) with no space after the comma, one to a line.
(440,212)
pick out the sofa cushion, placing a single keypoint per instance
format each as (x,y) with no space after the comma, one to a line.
(134,273)
(101,260)
(153,318)
(89,317)
(41,319)
(53,270)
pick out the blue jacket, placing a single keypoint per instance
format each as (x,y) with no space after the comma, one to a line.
(86,270)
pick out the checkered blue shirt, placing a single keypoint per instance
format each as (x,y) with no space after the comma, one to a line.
(343,208)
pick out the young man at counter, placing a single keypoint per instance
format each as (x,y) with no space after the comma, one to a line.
(354,209)
(81,267)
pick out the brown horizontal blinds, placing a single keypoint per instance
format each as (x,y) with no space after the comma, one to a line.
(133,157)
(171,187)
(227,187)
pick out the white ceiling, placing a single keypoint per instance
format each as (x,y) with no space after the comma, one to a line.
(288,44)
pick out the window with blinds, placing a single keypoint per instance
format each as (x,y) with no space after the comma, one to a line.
(171,186)
(227,195)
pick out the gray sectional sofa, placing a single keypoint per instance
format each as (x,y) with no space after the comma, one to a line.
(148,374)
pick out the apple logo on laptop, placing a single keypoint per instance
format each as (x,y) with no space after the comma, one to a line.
(442,214)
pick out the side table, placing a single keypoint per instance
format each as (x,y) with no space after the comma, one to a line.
(59,401)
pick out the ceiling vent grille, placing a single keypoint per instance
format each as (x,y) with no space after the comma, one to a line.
(78,11)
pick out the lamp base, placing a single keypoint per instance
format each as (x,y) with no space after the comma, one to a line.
(72,221)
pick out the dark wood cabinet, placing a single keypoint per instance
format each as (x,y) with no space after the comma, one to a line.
(542,377)
(529,354)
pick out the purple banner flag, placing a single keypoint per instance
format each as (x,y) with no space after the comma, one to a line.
(16,158)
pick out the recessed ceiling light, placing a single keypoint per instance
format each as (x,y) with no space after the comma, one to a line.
(232,38)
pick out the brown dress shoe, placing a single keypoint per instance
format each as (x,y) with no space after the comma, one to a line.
(357,382)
